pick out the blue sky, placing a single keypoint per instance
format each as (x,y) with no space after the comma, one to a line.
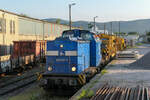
(107,10)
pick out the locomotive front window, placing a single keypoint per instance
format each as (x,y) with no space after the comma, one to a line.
(68,34)
(86,36)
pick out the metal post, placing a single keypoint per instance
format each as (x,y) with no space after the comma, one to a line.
(43,32)
(119,27)
(70,15)
(111,27)
(104,28)
(4,33)
(95,23)
(35,30)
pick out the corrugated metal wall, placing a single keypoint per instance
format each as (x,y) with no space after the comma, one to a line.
(30,27)
(33,27)
(47,29)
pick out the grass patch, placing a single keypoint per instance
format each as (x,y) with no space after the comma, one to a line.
(139,44)
(28,95)
(88,93)
(129,47)
(134,47)
(85,94)
(82,94)
(104,71)
(33,97)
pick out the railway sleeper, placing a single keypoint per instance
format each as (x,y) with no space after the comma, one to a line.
(119,93)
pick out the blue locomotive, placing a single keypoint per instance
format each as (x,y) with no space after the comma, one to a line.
(72,58)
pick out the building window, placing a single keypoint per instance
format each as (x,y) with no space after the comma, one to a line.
(2,25)
(12,27)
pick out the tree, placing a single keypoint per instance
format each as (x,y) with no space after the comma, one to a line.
(90,25)
(133,33)
(148,36)
(121,33)
(148,33)
(57,21)
(23,15)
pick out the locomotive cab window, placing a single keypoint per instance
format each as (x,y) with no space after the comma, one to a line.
(67,34)
(86,35)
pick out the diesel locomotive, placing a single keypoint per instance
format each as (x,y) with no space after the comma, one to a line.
(71,59)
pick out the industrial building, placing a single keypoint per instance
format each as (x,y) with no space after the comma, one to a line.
(15,27)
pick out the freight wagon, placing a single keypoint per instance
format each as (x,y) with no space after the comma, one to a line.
(5,64)
(24,53)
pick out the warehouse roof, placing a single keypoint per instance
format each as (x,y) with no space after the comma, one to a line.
(29,17)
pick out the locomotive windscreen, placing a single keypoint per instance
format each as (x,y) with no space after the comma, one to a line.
(82,34)
(67,34)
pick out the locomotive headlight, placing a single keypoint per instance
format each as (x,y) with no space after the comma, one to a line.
(61,46)
(73,69)
(50,68)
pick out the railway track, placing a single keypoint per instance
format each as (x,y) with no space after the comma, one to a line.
(119,93)
(17,84)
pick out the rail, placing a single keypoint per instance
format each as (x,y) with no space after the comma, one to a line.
(17,84)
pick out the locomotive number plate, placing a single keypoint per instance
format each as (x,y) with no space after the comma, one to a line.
(61,60)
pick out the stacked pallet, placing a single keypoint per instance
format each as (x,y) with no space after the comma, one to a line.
(120,93)
(127,54)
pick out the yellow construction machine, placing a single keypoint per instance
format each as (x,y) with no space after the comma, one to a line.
(120,43)
(108,48)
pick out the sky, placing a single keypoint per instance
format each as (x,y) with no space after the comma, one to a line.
(85,10)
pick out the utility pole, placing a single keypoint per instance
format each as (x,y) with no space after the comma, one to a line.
(95,23)
(70,5)
(104,28)
(119,27)
(43,32)
(4,32)
(111,27)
